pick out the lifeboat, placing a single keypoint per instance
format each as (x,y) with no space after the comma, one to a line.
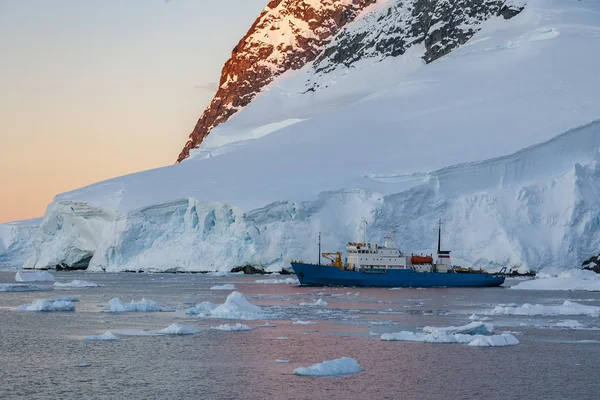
(421,260)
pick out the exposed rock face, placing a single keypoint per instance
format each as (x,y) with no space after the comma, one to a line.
(287,35)
(291,33)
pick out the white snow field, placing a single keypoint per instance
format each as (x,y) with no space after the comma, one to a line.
(47,305)
(105,337)
(567,308)
(337,367)
(23,287)
(566,280)
(232,328)
(500,139)
(43,276)
(178,329)
(76,283)
(116,305)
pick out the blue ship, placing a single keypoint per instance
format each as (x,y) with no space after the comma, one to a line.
(383,266)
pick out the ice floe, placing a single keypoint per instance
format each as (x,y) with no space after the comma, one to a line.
(319,302)
(47,305)
(105,337)
(202,309)
(236,306)
(567,280)
(282,361)
(24,287)
(505,339)
(300,322)
(268,325)
(66,298)
(340,366)
(178,329)
(135,332)
(40,276)
(290,281)
(567,308)
(282,338)
(473,328)
(116,305)
(76,284)
(474,317)
(232,328)
(228,286)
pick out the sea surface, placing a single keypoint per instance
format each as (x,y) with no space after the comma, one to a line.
(43,355)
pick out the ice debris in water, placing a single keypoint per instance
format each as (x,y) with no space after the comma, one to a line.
(282,361)
(47,305)
(570,324)
(228,286)
(236,306)
(232,328)
(105,337)
(135,332)
(117,306)
(340,366)
(76,284)
(474,317)
(178,329)
(282,338)
(42,276)
(66,298)
(23,287)
(319,302)
(268,325)
(575,279)
(202,309)
(290,281)
(567,308)
(300,322)
(473,328)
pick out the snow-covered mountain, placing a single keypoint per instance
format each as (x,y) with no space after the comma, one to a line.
(490,124)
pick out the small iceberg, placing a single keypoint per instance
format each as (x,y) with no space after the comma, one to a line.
(317,303)
(47,306)
(282,361)
(232,328)
(24,287)
(202,309)
(178,329)
(66,298)
(474,328)
(236,306)
(105,337)
(228,286)
(40,276)
(289,281)
(268,325)
(567,308)
(135,332)
(505,339)
(300,322)
(474,317)
(117,306)
(575,279)
(76,284)
(338,367)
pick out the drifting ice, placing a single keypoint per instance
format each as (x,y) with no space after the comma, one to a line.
(47,305)
(232,328)
(567,280)
(202,310)
(567,308)
(291,281)
(178,329)
(23,287)
(505,339)
(319,302)
(228,286)
(474,328)
(42,276)
(340,366)
(105,337)
(117,306)
(237,307)
(76,284)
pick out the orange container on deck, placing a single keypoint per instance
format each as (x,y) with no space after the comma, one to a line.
(421,260)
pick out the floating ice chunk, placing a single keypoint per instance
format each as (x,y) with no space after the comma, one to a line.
(83,365)
(300,322)
(24,287)
(76,284)
(117,306)
(282,338)
(567,280)
(135,332)
(232,328)
(67,298)
(340,366)
(395,288)
(47,305)
(567,308)
(282,361)
(474,317)
(228,286)
(178,329)
(105,337)
(473,328)
(41,276)
(268,325)
(289,281)
(237,307)
(505,339)
(319,302)
(202,309)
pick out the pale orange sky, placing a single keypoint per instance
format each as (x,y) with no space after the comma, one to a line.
(92,90)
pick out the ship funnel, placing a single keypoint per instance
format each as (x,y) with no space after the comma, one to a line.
(443,256)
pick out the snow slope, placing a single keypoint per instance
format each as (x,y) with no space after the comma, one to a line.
(396,143)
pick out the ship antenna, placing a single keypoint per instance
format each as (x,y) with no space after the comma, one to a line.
(319,247)
(439,235)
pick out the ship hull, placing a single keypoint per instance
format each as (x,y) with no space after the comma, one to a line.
(327,275)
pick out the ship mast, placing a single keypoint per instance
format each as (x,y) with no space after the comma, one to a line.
(319,247)
(439,235)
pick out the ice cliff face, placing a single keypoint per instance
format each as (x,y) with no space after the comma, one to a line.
(290,34)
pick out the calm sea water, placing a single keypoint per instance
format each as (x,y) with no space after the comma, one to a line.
(40,353)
